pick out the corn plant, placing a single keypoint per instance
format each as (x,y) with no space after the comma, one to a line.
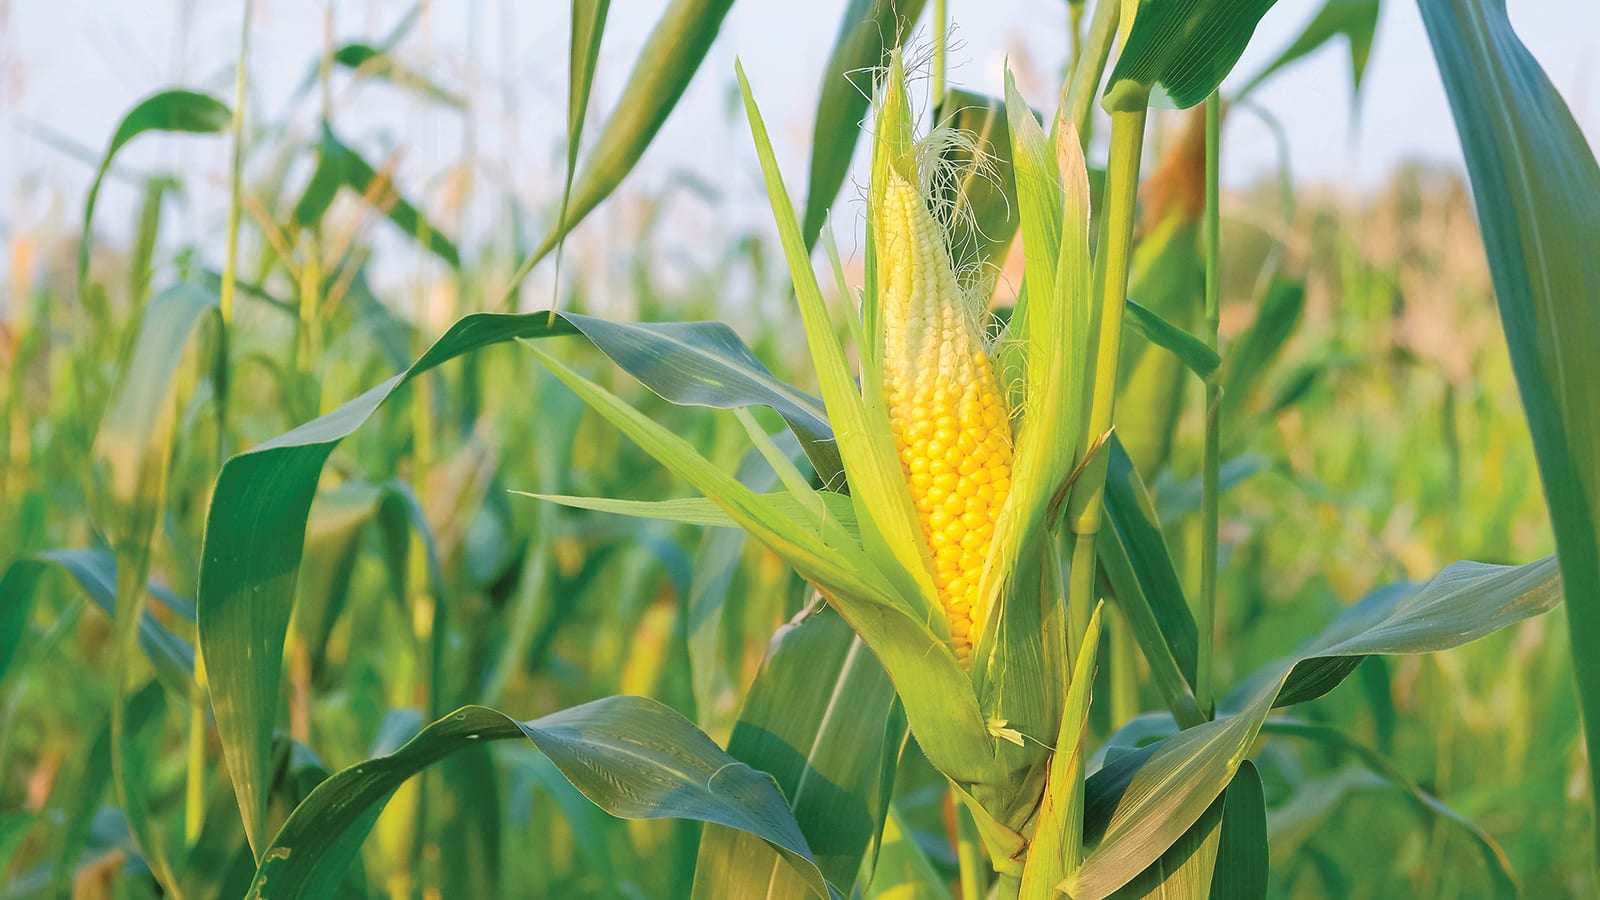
(965,504)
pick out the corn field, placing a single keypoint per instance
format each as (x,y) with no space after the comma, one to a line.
(1009,510)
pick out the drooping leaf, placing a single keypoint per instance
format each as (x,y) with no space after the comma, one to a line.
(178,111)
(247,585)
(631,756)
(1144,801)
(1190,350)
(1355,20)
(1187,46)
(1537,189)
(339,166)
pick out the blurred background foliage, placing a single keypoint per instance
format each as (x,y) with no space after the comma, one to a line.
(1373,435)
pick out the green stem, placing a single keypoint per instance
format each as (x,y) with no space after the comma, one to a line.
(1074,33)
(230,265)
(1111,280)
(940,38)
(1090,65)
(1211,462)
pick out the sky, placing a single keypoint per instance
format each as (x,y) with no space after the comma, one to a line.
(70,68)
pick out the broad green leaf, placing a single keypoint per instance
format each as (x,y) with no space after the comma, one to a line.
(247,586)
(1241,869)
(1187,46)
(1537,190)
(867,32)
(172,111)
(705,364)
(632,757)
(1355,20)
(674,51)
(1186,869)
(1389,775)
(1190,350)
(1143,802)
(814,720)
(338,166)
(930,681)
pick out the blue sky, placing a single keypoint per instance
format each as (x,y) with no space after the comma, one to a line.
(71,67)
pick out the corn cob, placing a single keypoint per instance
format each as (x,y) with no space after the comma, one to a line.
(946,411)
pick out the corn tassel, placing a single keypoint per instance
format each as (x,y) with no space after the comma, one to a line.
(946,411)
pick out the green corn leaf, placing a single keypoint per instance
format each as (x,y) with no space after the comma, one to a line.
(677,45)
(705,364)
(814,720)
(1187,868)
(1135,535)
(867,32)
(1040,208)
(588,27)
(1187,46)
(706,513)
(1241,868)
(247,586)
(1057,846)
(1537,189)
(1143,802)
(1355,20)
(632,757)
(338,166)
(836,567)
(1189,350)
(861,427)
(171,111)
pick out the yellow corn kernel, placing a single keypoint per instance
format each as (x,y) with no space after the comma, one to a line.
(948,415)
